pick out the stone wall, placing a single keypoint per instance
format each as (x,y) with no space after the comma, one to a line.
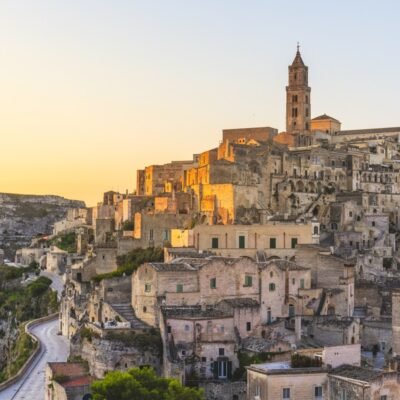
(224,390)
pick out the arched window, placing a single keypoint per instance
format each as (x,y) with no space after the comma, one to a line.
(315,230)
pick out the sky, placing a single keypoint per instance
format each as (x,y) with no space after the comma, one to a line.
(92,90)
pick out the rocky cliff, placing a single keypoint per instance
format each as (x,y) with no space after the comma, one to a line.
(22,217)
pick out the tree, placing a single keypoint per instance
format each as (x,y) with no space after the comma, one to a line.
(142,384)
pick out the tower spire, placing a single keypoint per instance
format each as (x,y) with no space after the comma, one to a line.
(298,104)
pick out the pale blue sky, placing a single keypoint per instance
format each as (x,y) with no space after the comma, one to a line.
(116,85)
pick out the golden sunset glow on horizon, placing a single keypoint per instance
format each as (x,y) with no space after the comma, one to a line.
(92,91)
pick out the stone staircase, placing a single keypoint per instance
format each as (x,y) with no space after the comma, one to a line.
(126,311)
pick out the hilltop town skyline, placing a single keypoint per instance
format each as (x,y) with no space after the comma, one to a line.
(88,93)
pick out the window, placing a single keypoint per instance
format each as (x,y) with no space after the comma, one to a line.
(169,329)
(187,328)
(213,283)
(272,287)
(384,397)
(242,242)
(144,309)
(151,234)
(315,230)
(214,243)
(269,315)
(294,243)
(147,287)
(221,351)
(203,359)
(248,281)
(179,288)
(166,234)
(343,395)
(293,281)
(301,283)
(306,112)
(272,243)
(350,213)
(286,393)
(373,223)
(292,310)
(318,392)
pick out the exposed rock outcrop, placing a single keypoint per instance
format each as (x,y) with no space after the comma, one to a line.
(22,217)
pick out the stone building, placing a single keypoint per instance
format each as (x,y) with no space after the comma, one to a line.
(277,237)
(355,383)
(67,381)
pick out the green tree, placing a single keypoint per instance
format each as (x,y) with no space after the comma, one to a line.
(141,384)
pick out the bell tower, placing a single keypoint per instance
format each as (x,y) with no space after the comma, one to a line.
(298,101)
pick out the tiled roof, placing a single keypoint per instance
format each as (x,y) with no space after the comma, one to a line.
(284,265)
(324,117)
(173,267)
(393,130)
(193,312)
(81,381)
(241,302)
(358,373)
(68,369)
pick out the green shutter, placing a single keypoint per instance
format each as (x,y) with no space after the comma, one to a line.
(229,372)
(214,368)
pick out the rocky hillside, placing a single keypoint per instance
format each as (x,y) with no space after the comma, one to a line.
(22,217)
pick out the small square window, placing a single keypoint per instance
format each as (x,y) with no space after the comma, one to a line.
(147,287)
(213,283)
(294,243)
(187,328)
(221,351)
(271,287)
(203,359)
(248,281)
(179,288)
(272,243)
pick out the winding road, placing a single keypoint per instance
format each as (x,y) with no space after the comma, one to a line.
(54,348)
